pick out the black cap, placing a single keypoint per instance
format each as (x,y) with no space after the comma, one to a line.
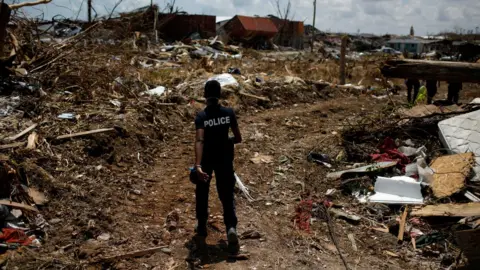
(212,89)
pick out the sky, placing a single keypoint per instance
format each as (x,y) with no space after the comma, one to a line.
(351,16)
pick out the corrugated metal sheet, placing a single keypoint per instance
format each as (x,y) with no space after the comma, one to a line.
(247,28)
(177,27)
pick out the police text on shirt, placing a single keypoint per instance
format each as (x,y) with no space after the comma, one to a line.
(216,122)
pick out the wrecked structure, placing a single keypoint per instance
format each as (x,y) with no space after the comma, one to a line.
(173,27)
(253,31)
(290,33)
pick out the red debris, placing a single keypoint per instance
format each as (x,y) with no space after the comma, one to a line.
(303,214)
(14,236)
(389,152)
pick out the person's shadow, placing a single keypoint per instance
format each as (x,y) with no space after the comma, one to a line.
(201,253)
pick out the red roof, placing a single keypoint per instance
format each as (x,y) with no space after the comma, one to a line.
(258,24)
(250,27)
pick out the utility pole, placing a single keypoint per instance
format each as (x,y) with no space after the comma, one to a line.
(343,63)
(89,7)
(314,16)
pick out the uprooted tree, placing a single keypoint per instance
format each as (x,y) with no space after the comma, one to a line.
(28,4)
(5,12)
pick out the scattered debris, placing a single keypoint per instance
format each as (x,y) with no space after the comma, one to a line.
(363,170)
(260,158)
(341,214)
(250,234)
(243,188)
(158,91)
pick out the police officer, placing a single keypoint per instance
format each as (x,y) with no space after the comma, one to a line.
(214,153)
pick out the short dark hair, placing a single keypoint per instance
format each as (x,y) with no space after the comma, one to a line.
(212,89)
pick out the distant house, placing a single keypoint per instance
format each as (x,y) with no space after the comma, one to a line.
(251,31)
(417,46)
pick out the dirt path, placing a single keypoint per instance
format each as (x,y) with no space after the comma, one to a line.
(286,134)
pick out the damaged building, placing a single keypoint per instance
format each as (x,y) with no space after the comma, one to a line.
(181,26)
(255,32)
(260,32)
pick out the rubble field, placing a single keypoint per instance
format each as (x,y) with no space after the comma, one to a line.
(97,139)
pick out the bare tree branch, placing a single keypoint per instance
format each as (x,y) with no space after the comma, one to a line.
(29,4)
(114,7)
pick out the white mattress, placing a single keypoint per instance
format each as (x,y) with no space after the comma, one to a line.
(461,134)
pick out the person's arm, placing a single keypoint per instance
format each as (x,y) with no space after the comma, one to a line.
(236,131)
(199,142)
(237,135)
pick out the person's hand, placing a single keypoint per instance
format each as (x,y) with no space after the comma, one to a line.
(201,175)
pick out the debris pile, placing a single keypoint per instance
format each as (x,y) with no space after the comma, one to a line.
(433,193)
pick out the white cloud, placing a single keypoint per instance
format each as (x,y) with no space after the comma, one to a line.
(370,16)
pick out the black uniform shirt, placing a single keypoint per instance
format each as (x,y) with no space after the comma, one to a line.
(217,121)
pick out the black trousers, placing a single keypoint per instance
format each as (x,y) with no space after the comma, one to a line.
(453,95)
(225,181)
(415,85)
(431,91)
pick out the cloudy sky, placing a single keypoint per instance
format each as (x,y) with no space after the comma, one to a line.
(366,16)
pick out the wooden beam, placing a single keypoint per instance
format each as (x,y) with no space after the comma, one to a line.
(449,210)
(85,133)
(432,70)
(21,206)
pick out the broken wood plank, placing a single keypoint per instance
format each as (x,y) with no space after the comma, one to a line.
(85,133)
(246,94)
(254,96)
(12,145)
(432,70)
(29,4)
(32,141)
(21,134)
(133,254)
(403,221)
(446,210)
(21,206)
